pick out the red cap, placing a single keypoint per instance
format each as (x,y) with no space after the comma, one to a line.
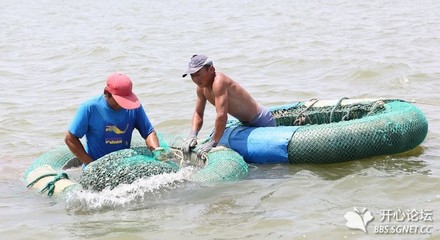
(120,86)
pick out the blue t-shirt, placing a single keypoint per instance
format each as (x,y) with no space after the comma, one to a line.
(108,130)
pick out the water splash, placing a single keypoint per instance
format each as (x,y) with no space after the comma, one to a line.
(126,195)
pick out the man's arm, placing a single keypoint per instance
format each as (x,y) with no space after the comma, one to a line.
(220,92)
(77,148)
(197,119)
(196,122)
(152,141)
(220,89)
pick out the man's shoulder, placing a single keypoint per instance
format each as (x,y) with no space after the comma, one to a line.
(95,101)
(221,75)
(222,80)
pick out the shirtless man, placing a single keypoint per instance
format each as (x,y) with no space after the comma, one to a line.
(227,96)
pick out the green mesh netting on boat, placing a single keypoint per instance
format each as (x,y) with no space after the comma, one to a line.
(354,131)
(222,164)
(58,158)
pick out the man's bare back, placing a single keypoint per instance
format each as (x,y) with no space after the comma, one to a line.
(240,103)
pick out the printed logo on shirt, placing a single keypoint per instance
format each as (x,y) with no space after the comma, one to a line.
(115,129)
(113,141)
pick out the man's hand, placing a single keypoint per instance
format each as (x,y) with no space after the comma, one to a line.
(190,143)
(203,149)
(160,154)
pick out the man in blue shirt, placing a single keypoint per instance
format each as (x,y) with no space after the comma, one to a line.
(108,122)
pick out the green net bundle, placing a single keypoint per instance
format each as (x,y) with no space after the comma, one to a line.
(123,167)
(128,165)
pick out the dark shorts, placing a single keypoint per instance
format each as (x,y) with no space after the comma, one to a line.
(263,118)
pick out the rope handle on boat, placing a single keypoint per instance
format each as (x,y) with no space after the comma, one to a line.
(50,186)
(300,120)
(375,106)
(334,108)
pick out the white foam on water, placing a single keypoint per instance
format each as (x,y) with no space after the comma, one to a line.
(125,195)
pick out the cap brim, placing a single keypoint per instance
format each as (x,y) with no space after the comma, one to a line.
(191,71)
(127,102)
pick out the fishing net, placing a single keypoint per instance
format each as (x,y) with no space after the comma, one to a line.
(123,167)
(128,165)
(219,164)
(353,131)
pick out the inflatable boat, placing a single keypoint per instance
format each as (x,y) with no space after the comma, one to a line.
(330,131)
